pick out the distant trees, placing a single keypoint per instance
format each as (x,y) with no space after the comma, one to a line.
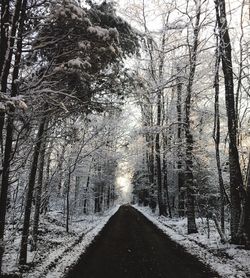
(162,76)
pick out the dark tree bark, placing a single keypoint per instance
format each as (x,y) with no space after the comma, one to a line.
(17,22)
(236,182)
(161,204)
(165,179)
(216,135)
(38,194)
(29,196)
(189,179)
(45,190)
(5,18)
(60,167)
(108,197)
(77,185)
(5,182)
(4,70)
(152,201)
(181,188)
(67,200)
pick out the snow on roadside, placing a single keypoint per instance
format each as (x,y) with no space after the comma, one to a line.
(227,260)
(56,263)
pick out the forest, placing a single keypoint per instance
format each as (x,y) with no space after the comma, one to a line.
(109,102)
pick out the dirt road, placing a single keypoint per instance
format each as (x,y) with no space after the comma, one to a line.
(130,246)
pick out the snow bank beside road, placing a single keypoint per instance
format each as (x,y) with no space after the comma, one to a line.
(57,250)
(59,261)
(226,260)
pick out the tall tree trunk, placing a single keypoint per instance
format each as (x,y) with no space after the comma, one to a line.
(108,197)
(68,201)
(5,182)
(8,47)
(77,185)
(85,210)
(45,190)
(236,182)
(4,73)
(60,168)
(39,190)
(181,189)
(161,204)
(165,179)
(189,179)
(5,17)
(29,196)
(216,134)
(152,201)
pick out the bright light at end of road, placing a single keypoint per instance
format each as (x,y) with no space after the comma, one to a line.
(124,183)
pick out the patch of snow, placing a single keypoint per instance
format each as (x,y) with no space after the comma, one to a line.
(78,64)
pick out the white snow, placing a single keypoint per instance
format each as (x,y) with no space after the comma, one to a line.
(57,250)
(78,64)
(227,260)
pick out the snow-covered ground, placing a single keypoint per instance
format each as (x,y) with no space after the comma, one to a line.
(226,259)
(57,250)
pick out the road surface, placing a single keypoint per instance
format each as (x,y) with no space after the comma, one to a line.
(130,246)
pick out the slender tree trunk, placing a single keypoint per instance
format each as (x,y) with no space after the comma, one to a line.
(29,196)
(189,179)
(181,189)
(165,181)
(152,201)
(5,17)
(77,185)
(45,190)
(60,167)
(108,197)
(236,182)
(101,198)
(216,136)
(162,206)
(67,201)
(85,210)
(39,191)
